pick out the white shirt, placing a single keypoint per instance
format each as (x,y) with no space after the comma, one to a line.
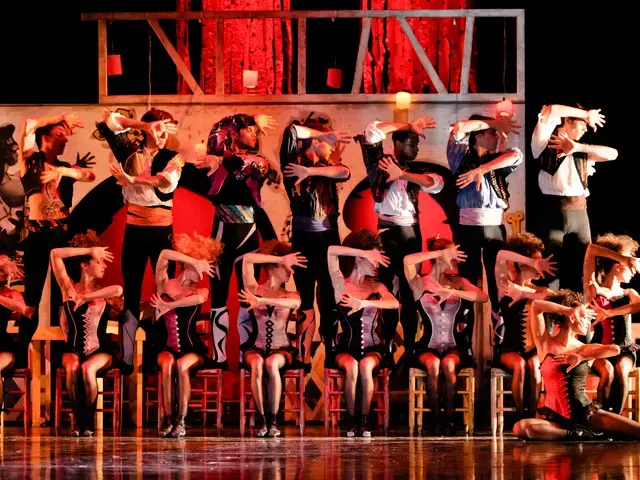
(566,181)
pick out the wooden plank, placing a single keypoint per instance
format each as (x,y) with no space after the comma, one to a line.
(306,99)
(302,55)
(466,54)
(426,63)
(36,372)
(144,16)
(520,54)
(175,56)
(219,57)
(103,81)
(362,52)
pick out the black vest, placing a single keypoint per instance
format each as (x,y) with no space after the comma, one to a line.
(159,163)
(497,179)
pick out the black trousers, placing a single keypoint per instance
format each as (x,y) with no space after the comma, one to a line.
(399,242)
(314,246)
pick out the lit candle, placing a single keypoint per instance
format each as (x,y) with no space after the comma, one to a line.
(505,108)
(250,78)
(114,65)
(334,77)
(201,148)
(403,100)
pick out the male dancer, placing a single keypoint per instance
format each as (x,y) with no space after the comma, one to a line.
(310,161)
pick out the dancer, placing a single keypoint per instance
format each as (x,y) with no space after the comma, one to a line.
(48,185)
(149,174)
(518,265)
(90,351)
(310,161)
(609,262)
(360,297)
(444,301)
(395,184)
(271,306)
(565,166)
(568,414)
(481,172)
(237,173)
(13,352)
(178,302)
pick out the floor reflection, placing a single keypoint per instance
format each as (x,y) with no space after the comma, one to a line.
(145,456)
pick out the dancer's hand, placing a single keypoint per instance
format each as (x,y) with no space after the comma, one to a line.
(13,270)
(562,144)
(595,119)
(86,161)
(354,304)
(72,120)
(299,172)
(102,253)
(545,265)
(422,123)
(205,267)
(121,176)
(571,359)
(472,176)
(601,313)
(50,174)
(212,162)
(377,258)
(391,168)
(265,122)
(245,296)
(160,305)
(295,259)
(160,127)
(454,254)
(505,126)
(513,292)
(633,263)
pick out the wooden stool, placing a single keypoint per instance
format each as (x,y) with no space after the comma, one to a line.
(115,394)
(25,391)
(632,406)
(152,398)
(417,392)
(295,396)
(333,394)
(497,399)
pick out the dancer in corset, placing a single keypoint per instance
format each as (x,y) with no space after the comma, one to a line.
(89,350)
(361,298)
(238,173)
(271,307)
(310,161)
(568,414)
(610,262)
(518,265)
(178,302)
(444,301)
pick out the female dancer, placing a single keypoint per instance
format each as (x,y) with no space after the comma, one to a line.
(608,263)
(444,301)
(178,302)
(12,353)
(271,306)
(86,314)
(360,297)
(568,413)
(517,266)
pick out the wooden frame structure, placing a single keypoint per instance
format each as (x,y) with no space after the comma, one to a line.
(301,97)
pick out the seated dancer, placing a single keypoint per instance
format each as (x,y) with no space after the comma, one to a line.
(89,350)
(237,173)
(13,352)
(360,297)
(310,161)
(396,181)
(149,174)
(48,185)
(444,301)
(568,414)
(271,306)
(518,264)
(610,261)
(481,171)
(178,302)
(565,166)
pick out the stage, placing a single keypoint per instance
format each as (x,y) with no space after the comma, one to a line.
(139,453)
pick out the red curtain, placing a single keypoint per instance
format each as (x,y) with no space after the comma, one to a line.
(262,45)
(392,65)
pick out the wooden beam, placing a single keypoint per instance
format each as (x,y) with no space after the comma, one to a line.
(175,56)
(426,63)
(103,81)
(362,52)
(520,54)
(219,57)
(466,54)
(144,16)
(308,99)
(302,55)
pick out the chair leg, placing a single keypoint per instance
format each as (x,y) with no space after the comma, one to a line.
(327,402)
(242,402)
(205,391)
(385,384)
(412,399)
(56,422)
(27,402)
(219,404)
(494,400)
(160,401)
(500,405)
(301,376)
(472,402)
(117,388)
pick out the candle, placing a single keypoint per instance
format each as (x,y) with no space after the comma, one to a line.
(114,65)
(250,78)
(201,149)
(505,108)
(403,100)
(334,77)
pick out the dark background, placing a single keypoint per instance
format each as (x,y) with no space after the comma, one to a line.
(573,54)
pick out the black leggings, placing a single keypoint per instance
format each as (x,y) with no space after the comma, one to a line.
(314,246)
(237,239)
(399,242)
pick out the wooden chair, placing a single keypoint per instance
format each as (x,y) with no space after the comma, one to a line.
(25,375)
